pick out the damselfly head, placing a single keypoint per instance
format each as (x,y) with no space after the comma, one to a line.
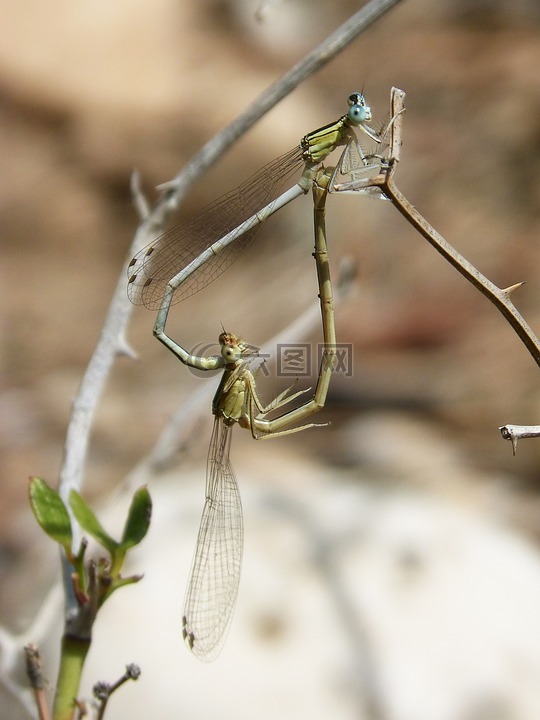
(227,338)
(232,347)
(359,111)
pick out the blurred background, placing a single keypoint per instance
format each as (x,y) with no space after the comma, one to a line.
(392,566)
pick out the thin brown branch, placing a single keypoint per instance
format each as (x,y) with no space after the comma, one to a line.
(500,297)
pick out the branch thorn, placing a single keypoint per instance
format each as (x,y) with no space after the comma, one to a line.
(510,289)
(124,349)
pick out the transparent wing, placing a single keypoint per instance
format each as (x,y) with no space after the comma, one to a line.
(353,158)
(152,268)
(215,573)
(357,165)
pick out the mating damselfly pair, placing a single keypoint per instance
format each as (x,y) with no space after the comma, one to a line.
(185,259)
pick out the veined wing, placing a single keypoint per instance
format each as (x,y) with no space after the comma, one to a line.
(215,573)
(152,268)
(356,164)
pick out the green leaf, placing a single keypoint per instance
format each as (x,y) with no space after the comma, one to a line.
(89,522)
(50,512)
(138,519)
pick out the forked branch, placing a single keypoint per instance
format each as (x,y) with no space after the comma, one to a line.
(500,297)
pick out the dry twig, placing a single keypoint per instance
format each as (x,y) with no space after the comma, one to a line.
(500,297)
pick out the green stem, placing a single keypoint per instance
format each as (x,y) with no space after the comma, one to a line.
(73,655)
